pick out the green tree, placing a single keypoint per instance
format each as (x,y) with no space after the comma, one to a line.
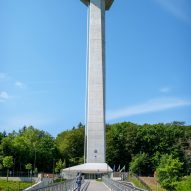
(169,171)
(36,147)
(139,163)
(1,166)
(71,145)
(28,167)
(121,141)
(35,171)
(7,145)
(59,166)
(126,139)
(8,163)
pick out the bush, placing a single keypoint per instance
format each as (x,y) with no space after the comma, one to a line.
(168,172)
(184,185)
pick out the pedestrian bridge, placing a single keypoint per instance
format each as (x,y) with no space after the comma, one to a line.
(106,184)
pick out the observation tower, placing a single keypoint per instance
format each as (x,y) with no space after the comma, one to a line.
(95,163)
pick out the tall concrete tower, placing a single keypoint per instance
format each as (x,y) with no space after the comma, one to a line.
(95,103)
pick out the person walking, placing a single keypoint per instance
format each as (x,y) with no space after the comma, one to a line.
(79,181)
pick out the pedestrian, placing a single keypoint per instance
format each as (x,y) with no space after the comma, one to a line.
(78,181)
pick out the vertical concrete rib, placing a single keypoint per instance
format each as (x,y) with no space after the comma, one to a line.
(95,123)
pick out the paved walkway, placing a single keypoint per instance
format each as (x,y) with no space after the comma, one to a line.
(97,186)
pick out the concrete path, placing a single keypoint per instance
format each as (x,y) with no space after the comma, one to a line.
(97,186)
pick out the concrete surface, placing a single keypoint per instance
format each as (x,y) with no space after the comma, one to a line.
(97,186)
(96,84)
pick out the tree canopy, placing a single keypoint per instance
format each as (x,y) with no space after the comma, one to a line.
(138,147)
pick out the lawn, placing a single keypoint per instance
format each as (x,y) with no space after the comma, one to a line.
(13,185)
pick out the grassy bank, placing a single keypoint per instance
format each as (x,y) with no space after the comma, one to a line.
(152,183)
(13,185)
(136,182)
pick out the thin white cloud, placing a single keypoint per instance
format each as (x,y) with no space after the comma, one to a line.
(179,8)
(165,90)
(4,96)
(150,106)
(19,84)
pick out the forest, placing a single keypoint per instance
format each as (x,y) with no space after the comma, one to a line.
(141,149)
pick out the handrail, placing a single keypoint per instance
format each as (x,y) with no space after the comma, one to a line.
(67,185)
(84,187)
(117,186)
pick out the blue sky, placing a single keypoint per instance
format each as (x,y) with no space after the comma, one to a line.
(43,63)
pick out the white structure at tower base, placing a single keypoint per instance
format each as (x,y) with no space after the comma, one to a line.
(90,169)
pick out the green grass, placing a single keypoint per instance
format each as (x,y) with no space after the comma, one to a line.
(156,187)
(59,180)
(136,182)
(13,185)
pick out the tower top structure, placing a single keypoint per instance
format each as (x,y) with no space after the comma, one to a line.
(108,3)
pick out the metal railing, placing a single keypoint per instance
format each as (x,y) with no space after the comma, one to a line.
(118,186)
(84,186)
(68,185)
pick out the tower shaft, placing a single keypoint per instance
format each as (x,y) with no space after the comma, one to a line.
(95,124)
